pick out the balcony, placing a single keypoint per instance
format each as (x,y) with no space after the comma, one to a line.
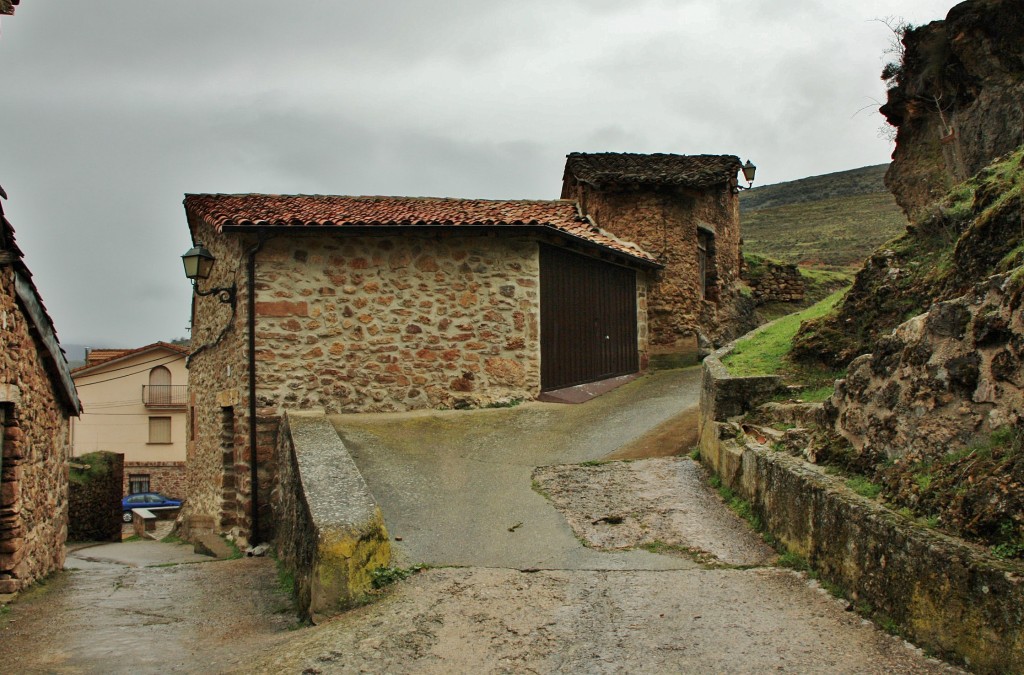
(165,395)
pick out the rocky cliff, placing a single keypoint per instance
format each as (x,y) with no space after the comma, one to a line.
(956,99)
(931,333)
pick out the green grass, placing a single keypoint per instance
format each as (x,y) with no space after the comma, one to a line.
(89,467)
(765,352)
(285,578)
(793,561)
(739,506)
(236,552)
(864,487)
(382,577)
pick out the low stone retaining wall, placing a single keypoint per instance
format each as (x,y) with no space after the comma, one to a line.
(330,531)
(144,520)
(775,282)
(946,595)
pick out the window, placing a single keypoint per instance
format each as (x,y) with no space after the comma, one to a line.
(137,483)
(159,429)
(160,386)
(702,262)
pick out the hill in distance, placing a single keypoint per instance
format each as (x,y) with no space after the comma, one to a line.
(835,220)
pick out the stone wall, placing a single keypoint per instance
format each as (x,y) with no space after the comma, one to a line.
(36,450)
(371,324)
(665,223)
(331,531)
(952,598)
(94,498)
(723,396)
(167,478)
(775,282)
(942,378)
(217,467)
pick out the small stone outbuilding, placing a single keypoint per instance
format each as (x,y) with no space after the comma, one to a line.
(363,304)
(366,304)
(684,210)
(37,398)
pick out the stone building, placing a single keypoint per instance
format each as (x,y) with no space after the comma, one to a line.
(135,402)
(684,210)
(361,304)
(37,398)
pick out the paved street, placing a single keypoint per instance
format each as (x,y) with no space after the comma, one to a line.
(545,561)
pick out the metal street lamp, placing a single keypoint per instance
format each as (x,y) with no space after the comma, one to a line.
(748,172)
(748,175)
(198,263)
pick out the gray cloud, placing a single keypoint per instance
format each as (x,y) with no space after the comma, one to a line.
(113,110)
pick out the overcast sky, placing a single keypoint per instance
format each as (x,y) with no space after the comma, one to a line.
(113,109)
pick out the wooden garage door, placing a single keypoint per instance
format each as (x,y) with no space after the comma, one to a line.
(587,319)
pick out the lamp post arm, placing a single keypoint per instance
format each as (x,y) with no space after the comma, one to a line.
(225,294)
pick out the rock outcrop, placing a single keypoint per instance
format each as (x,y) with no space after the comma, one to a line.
(956,99)
(941,379)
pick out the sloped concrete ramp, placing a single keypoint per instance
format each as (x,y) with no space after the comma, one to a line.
(456,486)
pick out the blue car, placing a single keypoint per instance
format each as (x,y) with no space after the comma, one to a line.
(144,500)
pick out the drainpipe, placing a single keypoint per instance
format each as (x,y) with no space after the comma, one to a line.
(253,468)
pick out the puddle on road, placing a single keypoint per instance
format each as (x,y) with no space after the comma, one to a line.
(675,436)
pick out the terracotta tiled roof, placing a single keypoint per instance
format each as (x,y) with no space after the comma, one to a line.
(243,211)
(97,357)
(617,168)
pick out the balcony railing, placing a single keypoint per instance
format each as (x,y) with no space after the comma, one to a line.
(165,395)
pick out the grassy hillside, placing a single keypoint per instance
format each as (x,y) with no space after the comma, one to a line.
(835,220)
(973,233)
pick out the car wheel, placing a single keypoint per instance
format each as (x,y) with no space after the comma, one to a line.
(127,517)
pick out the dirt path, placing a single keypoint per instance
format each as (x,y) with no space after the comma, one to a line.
(730,610)
(661,505)
(491,621)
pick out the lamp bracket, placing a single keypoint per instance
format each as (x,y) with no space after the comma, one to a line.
(225,294)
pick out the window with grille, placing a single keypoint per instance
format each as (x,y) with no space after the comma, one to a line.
(159,429)
(138,483)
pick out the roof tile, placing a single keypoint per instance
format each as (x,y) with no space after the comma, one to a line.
(243,211)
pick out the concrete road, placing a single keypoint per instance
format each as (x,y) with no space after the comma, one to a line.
(456,487)
(145,607)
